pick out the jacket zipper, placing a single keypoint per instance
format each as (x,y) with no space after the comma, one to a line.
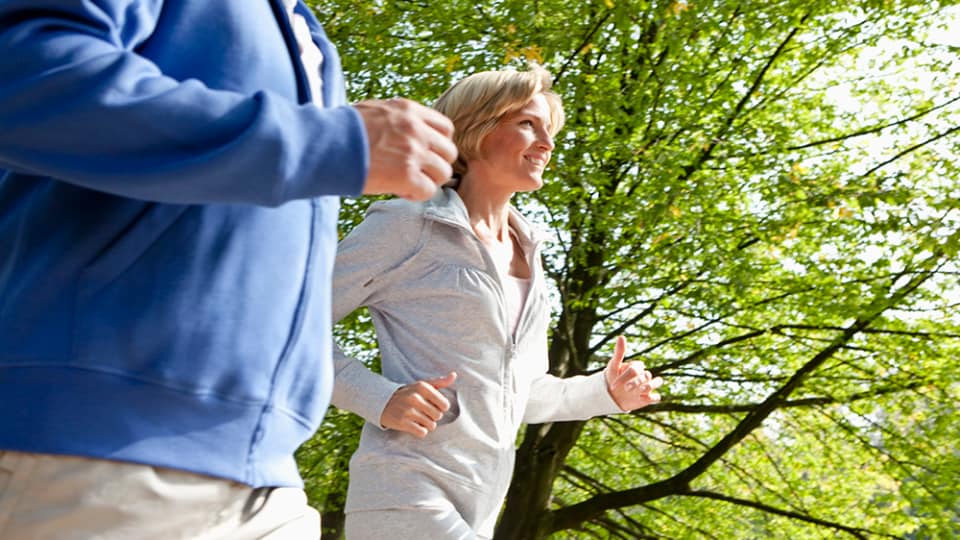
(304,94)
(304,297)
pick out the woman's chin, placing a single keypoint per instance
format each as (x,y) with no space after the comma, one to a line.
(531,184)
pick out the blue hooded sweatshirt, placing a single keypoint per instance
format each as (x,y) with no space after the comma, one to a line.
(167,232)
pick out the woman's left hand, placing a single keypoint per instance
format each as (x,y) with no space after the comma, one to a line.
(630,385)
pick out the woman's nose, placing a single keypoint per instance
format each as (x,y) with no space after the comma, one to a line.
(545,140)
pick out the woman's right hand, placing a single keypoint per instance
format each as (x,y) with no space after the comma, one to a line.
(417,407)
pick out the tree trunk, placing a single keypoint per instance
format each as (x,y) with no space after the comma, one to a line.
(542,453)
(526,514)
(332,523)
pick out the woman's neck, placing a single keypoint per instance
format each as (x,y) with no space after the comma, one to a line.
(489,211)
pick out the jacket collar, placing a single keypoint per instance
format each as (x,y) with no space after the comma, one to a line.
(447,206)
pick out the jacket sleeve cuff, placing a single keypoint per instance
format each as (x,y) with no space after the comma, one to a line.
(363,392)
(581,397)
(598,399)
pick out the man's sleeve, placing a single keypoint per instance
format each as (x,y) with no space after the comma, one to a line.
(77,103)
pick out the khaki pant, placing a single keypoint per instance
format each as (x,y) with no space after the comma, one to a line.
(44,497)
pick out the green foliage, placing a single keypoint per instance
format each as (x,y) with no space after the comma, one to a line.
(763,197)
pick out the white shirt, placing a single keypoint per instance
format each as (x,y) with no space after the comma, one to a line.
(515,289)
(310,55)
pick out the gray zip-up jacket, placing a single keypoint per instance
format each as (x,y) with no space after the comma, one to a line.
(437,303)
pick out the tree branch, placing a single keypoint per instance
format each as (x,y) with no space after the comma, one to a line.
(853,531)
(910,149)
(873,129)
(789,404)
(571,516)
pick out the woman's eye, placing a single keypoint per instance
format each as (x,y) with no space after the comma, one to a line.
(526,123)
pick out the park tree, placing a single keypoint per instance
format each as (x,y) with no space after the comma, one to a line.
(763,198)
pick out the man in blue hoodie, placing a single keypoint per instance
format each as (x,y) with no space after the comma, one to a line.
(169,173)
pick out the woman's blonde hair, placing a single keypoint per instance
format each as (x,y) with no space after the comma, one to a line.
(475,105)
